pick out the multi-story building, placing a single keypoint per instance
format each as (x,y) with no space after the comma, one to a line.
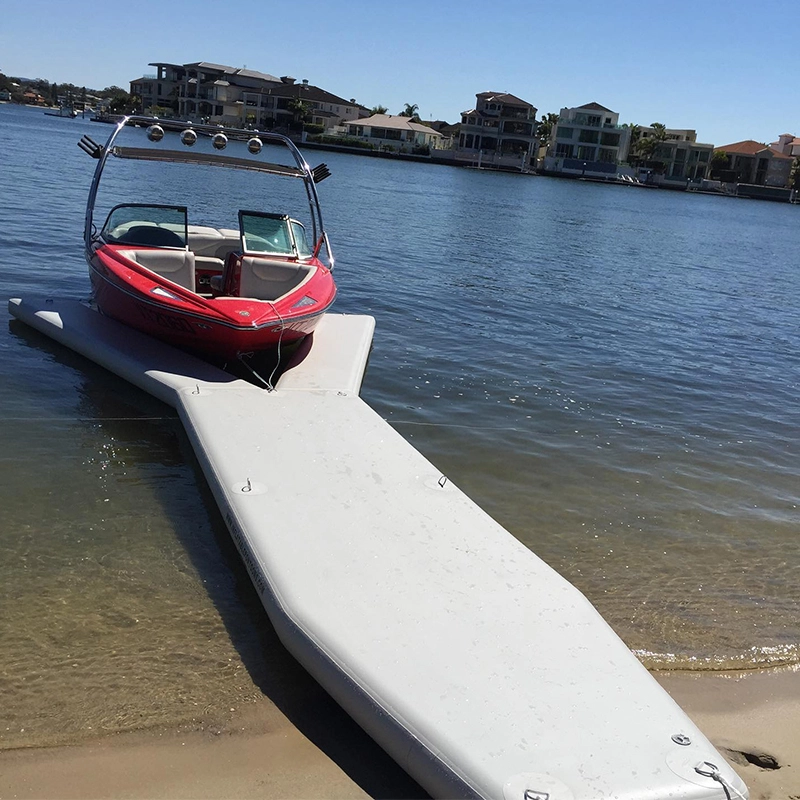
(199,90)
(500,132)
(234,96)
(788,144)
(280,104)
(754,163)
(588,140)
(682,156)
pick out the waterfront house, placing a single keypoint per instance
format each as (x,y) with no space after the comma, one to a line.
(280,105)
(588,141)
(499,132)
(242,97)
(389,132)
(751,162)
(200,90)
(788,144)
(682,157)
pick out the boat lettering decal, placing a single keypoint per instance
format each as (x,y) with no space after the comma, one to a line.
(165,320)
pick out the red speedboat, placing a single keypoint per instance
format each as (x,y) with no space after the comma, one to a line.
(221,292)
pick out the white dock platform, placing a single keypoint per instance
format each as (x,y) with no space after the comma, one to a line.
(478,668)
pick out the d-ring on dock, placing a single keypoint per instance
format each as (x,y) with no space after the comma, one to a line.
(479,669)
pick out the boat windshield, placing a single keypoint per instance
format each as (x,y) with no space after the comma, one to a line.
(276,234)
(146,225)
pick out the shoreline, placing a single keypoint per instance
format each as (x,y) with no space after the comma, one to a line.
(753,718)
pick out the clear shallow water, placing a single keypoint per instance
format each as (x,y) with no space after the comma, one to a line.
(611,373)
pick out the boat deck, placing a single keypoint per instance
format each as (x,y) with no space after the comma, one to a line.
(474,664)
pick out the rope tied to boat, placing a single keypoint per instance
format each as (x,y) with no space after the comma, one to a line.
(267,381)
(709,770)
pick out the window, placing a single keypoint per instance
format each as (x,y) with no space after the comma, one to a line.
(589,136)
(607,156)
(592,120)
(563,132)
(610,139)
(587,153)
(680,154)
(563,149)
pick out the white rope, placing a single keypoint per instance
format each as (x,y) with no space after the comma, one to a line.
(267,381)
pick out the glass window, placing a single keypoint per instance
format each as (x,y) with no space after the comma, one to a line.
(265,233)
(563,149)
(300,241)
(562,132)
(610,139)
(589,136)
(146,225)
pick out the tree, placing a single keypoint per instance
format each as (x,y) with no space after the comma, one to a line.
(719,162)
(411,110)
(647,144)
(378,110)
(546,127)
(300,109)
(794,175)
(121,102)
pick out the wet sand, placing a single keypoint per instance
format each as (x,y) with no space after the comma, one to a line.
(753,718)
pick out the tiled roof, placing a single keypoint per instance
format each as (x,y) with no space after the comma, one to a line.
(750,147)
(393,122)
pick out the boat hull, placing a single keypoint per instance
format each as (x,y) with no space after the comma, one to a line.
(196,325)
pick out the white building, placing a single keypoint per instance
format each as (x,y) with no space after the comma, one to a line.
(588,140)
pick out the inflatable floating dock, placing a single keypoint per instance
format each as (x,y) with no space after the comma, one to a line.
(477,667)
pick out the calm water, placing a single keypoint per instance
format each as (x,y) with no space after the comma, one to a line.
(612,373)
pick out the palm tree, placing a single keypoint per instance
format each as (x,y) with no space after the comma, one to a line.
(794,175)
(379,109)
(546,127)
(646,146)
(411,110)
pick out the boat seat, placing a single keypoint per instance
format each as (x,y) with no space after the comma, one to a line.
(174,265)
(151,235)
(269,279)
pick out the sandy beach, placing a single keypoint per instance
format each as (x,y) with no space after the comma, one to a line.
(752,718)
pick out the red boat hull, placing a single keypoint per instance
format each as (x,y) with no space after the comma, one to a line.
(219,328)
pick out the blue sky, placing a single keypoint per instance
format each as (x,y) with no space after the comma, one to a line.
(724,69)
